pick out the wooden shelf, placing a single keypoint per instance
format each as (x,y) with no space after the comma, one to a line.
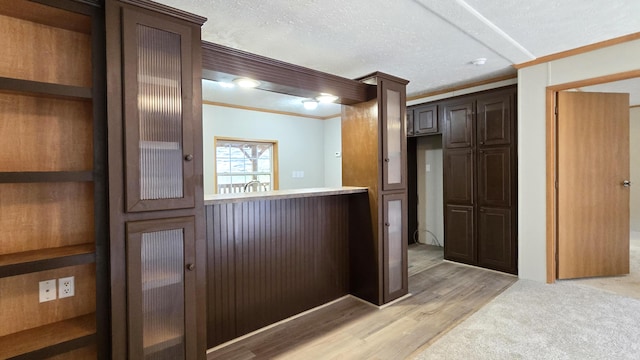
(49,340)
(43,88)
(46,259)
(45,176)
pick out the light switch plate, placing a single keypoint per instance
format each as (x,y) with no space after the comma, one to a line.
(47,290)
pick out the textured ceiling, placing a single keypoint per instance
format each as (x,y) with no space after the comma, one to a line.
(429,42)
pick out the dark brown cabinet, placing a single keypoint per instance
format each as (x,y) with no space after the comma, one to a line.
(374,152)
(425,120)
(162,288)
(157,247)
(459,124)
(395,245)
(479,177)
(460,241)
(159,133)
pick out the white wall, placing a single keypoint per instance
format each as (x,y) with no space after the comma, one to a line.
(301,142)
(430,191)
(532,83)
(634,142)
(333,145)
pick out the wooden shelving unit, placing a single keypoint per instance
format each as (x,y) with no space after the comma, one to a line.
(52,177)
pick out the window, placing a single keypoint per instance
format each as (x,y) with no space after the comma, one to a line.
(245,165)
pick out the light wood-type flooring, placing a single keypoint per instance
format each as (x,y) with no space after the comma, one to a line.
(443,294)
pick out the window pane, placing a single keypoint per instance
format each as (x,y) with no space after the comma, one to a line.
(244,166)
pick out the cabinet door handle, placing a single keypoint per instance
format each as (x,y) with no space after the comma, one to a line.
(386,159)
(190,267)
(188,157)
(387,224)
(481,142)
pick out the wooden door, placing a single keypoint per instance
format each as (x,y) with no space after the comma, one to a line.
(494,119)
(459,124)
(593,205)
(460,242)
(495,240)
(494,177)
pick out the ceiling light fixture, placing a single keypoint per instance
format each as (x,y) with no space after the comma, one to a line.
(326,98)
(479,61)
(246,82)
(310,104)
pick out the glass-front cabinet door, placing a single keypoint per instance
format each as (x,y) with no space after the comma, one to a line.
(395,246)
(161,288)
(157,98)
(394,141)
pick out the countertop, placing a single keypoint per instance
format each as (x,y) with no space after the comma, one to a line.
(282,194)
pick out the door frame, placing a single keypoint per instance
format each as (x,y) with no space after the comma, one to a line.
(552,160)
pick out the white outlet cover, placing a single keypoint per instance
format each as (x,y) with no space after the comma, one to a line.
(66,287)
(47,290)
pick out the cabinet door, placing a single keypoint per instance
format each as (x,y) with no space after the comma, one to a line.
(459,125)
(458,176)
(157,113)
(494,118)
(409,123)
(160,293)
(494,177)
(394,141)
(426,119)
(459,243)
(395,246)
(496,246)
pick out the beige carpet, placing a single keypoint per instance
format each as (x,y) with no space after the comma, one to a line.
(532,320)
(597,318)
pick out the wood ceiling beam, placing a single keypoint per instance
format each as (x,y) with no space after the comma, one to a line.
(221,63)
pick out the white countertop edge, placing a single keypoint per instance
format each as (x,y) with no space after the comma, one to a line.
(282,194)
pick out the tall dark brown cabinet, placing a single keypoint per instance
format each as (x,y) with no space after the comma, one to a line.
(155,174)
(374,155)
(479,176)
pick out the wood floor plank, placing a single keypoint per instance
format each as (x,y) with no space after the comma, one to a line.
(443,295)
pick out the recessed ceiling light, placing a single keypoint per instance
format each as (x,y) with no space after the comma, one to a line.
(326,98)
(246,82)
(310,104)
(479,61)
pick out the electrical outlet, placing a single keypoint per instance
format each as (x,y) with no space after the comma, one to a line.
(66,287)
(47,290)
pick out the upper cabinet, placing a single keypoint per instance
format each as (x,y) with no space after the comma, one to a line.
(394,141)
(494,119)
(425,120)
(157,103)
(459,124)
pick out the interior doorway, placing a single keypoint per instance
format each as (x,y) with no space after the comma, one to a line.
(426,243)
(620,83)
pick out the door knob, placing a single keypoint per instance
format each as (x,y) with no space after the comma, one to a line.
(188,157)
(626,183)
(190,267)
